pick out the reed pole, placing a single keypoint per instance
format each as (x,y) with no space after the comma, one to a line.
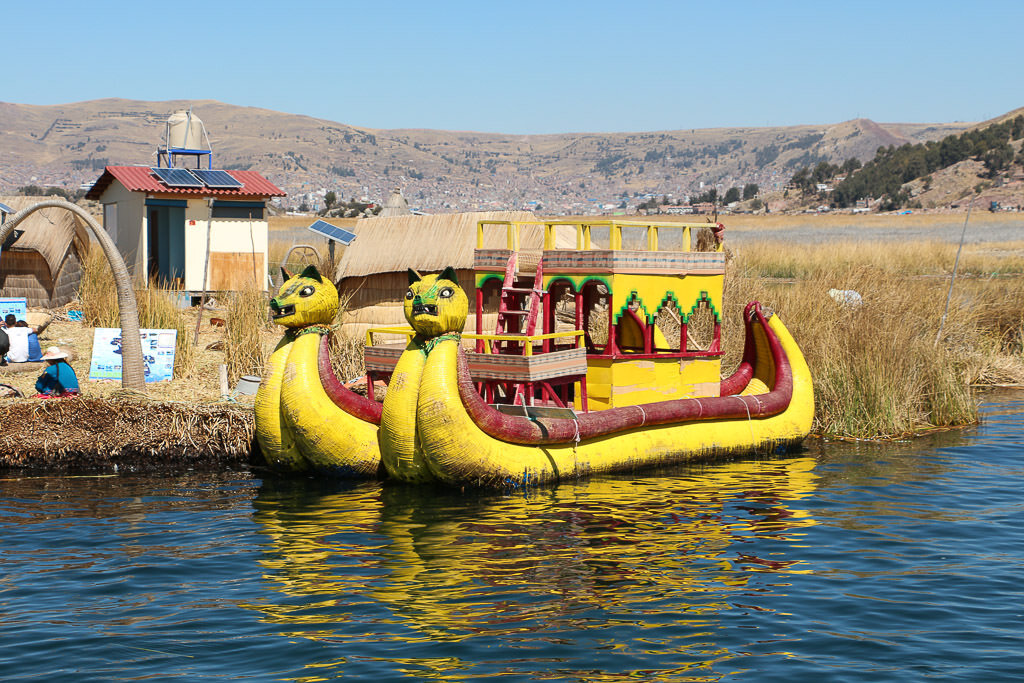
(206,269)
(132,365)
(952,279)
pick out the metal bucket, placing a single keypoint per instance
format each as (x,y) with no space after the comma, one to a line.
(247,384)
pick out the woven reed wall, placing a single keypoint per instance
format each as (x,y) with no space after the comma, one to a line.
(25,273)
(378,301)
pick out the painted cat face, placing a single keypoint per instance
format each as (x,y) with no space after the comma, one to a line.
(305,299)
(435,304)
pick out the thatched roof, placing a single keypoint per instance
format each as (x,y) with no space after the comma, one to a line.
(396,205)
(50,231)
(424,243)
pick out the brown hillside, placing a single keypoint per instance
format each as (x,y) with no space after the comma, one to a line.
(67,145)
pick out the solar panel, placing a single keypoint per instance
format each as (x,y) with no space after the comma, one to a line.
(333,232)
(176,177)
(216,179)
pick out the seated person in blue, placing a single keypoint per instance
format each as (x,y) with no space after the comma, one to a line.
(24,343)
(59,378)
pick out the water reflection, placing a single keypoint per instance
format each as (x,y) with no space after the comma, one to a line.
(397,563)
(853,561)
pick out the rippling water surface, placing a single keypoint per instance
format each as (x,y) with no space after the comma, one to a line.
(874,563)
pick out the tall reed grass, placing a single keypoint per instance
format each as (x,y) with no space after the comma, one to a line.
(158,308)
(877,368)
(247,312)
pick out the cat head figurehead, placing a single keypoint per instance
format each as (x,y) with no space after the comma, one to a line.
(435,304)
(305,299)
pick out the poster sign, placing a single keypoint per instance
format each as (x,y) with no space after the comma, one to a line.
(157,353)
(18,305)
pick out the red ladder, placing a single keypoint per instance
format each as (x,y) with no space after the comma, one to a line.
(518,310)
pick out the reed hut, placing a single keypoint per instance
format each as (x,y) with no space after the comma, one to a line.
(396,205)
(372,273)
(44,264)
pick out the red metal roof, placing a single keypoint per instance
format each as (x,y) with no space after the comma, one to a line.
(141,179)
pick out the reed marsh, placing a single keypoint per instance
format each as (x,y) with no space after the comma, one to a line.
(881,369)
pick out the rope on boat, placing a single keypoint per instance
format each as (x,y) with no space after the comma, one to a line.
(750,420)
(643,416)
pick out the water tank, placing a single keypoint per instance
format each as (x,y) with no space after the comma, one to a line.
(185,131)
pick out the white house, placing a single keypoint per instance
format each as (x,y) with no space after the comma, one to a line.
(172,230)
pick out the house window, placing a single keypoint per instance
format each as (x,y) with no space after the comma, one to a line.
(250,210)
(110,220)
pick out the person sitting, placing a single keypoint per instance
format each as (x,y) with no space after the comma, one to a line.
(59,378)
(18,338)
(5,346)
(35,353)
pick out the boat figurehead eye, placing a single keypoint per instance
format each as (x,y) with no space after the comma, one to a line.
(446,293)
(307,291)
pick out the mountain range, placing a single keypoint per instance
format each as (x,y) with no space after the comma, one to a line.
(68,145)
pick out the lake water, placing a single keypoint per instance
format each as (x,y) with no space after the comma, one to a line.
(846,563)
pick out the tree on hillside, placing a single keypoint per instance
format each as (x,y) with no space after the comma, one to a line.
(998,160)
(893,167)
(709,197)
(750,191)
(731,195)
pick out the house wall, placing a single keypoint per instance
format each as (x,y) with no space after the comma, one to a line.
(130,233)
(233,243)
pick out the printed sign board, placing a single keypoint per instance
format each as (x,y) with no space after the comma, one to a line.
(157,353)
(18,305)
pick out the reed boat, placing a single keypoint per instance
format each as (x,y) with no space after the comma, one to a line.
(606,357)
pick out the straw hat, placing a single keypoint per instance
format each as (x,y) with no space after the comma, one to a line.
(54,353)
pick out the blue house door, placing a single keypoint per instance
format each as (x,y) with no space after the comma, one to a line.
(166,239)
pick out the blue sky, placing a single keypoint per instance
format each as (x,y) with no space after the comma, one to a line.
(530,66)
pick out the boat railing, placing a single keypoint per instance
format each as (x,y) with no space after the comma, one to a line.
(586,239)
(489,339)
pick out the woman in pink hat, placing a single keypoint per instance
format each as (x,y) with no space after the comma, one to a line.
(59,378)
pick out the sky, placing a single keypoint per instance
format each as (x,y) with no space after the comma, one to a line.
(530,67)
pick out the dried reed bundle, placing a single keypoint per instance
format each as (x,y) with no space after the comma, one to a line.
(125,432)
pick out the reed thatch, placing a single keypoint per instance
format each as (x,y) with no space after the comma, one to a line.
(425,243)
(371,274)
(44,265)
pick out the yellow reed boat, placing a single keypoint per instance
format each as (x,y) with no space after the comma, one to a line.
(631,381)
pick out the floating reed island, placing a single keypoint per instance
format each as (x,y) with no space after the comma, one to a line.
(881,369)
(124,433)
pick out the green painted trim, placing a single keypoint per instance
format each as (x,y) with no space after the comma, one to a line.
(669,296)
(179,203)
(578,283)
(482,280)
(703,298)
(228,203)
(633,296)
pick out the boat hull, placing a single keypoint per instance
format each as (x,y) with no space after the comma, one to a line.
(494,450)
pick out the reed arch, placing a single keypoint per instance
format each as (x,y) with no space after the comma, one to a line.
(132,368)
